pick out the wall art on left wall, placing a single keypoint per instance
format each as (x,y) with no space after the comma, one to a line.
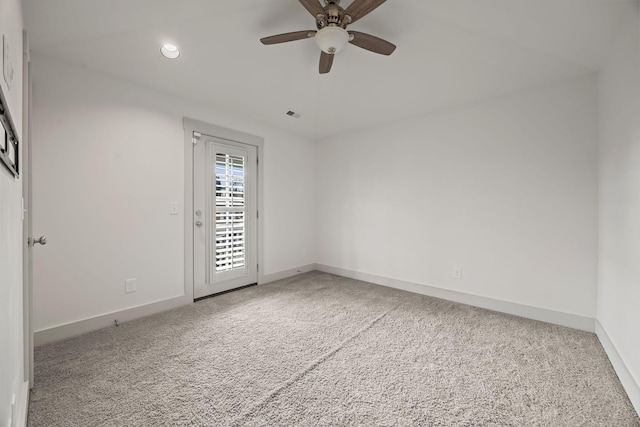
(9,144)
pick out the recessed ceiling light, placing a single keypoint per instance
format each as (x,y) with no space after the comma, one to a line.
(170,51)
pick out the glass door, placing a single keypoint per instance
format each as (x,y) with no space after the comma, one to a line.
(225,254)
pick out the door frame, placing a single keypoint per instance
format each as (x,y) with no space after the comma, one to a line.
(27,224)
(190,126)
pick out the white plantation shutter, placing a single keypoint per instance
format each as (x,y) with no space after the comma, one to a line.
(230,241)
(229,230)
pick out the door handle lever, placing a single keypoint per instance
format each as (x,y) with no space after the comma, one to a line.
(41,240)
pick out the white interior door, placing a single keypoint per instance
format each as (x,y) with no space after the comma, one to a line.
(225,215)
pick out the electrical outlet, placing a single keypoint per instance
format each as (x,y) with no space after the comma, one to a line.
(130,286)
(457,272)
(174,208)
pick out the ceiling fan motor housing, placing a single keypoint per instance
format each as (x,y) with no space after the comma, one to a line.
(332,15)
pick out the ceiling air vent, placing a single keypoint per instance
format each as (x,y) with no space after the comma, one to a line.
(293,114)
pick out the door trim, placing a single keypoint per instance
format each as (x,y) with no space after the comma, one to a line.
(190,126)
(27,224)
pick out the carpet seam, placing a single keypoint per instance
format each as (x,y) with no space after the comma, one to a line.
(313,365)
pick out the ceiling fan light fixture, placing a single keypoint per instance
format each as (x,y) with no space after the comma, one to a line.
(170,51)
(332,39)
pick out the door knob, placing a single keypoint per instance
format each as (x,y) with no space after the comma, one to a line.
(199,223)
(41,240)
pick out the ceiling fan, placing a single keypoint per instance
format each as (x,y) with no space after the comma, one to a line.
(332,36)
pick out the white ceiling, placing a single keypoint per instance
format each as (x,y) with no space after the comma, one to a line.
(450,52)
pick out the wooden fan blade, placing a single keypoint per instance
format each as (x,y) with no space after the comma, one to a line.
(326,60)
(313,6)
(360,8)
(288,37)
(372,43)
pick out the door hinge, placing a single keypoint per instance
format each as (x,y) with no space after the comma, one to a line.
(257,214)
(257,267)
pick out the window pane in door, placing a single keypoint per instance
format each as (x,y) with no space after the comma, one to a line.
(230,172)
(230,216)
(230,240)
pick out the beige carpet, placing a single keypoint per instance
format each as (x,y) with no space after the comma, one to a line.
(320,350)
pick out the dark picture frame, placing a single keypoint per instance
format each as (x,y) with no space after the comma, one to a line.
(9,143)
(3,139)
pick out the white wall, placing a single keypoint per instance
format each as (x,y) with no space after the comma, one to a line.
(11,332)
(619,192)
(108,159)
(506,190)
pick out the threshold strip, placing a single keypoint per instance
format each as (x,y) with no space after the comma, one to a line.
(224,292)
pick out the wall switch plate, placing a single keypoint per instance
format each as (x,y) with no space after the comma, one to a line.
(457,273)
(174,208)
(130,286)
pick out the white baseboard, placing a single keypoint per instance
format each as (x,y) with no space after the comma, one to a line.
(68,330)
(60,332)
(626,378)
(536,313)
(287,273)
(21,420)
